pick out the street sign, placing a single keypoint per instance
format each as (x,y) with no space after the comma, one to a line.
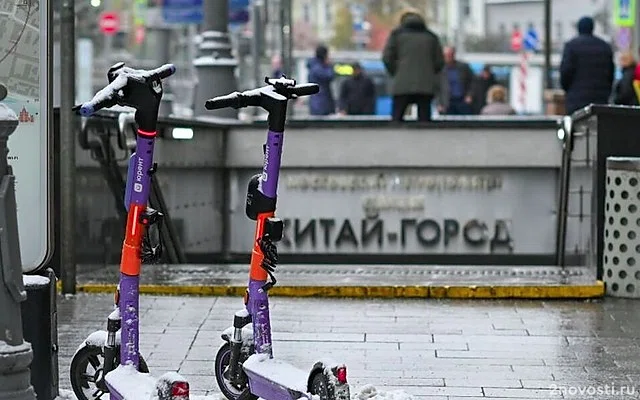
(531,41)
(516,41)
(190,11)
(238,11)
(182,11)
(109,23)
(624,13)
(26,75)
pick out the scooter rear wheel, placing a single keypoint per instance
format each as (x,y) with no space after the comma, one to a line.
(228,390)
(87,372)
(322,387)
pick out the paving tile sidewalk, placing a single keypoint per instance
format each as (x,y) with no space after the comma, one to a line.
(433,349)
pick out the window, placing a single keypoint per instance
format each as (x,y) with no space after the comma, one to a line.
(306,12)
(465,6)
(559,33)
(435,8)
(328,11)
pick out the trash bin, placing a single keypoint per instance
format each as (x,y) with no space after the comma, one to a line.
(40,328)
(621,255)
(554,100)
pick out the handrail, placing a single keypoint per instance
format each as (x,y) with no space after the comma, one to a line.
(373,122)
(565,134)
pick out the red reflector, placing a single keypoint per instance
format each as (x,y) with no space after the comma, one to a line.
(341,374)
(180,389)
(145,221)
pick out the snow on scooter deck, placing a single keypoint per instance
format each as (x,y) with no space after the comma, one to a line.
(276,371)
(131,384)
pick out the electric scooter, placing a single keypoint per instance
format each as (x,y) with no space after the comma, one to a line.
(124,373)
(245,367)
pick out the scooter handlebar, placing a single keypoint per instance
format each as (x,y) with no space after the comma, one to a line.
(110,95)
(164,71)
(306,89)
(233,100)
(252,97)
(105,98)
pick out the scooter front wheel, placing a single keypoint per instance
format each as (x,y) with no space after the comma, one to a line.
(87,372)
(229,390)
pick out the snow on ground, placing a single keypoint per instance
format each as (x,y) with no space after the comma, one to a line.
(366,392)
(66,395)
(369,392)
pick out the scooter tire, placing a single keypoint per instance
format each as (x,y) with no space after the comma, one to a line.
(95,356)
(222,361)
(322,387)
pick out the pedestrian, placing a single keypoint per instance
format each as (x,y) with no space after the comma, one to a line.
(357,94)
(497,102)
(586,69)
(624,93)
(413,59)
(321,72)
(455,96)
(276,66)
(480,88)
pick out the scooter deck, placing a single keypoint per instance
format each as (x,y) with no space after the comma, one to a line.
(270,378)
(125,383)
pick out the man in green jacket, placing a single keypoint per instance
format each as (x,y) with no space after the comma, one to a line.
(413,58)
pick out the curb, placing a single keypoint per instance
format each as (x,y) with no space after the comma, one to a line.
(595,290)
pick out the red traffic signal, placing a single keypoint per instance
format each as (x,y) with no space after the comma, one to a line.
(516,41)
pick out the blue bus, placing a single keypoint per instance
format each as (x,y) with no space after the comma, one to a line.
(501,64)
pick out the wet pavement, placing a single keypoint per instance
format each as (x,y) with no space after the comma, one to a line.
(432,349)
(347,275)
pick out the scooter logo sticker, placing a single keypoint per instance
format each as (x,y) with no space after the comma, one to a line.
(265,175)
(137,186)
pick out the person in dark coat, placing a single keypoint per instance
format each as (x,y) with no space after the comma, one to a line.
(276,66)
(413,59)
(321,72)
(357,94)
(455,95)
(624,93)
(586,69)
(480,88)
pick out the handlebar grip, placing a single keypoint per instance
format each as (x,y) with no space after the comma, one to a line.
(165,71)
(87,109)
(233,100)
(305,89)
(105,98)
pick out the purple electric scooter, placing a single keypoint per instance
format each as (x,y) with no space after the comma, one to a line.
(125,375)
(245,367)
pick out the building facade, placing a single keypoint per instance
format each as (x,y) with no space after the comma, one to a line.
(503,16)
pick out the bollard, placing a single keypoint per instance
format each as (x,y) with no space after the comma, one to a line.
(15,354)
(40,327)
(621,254)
